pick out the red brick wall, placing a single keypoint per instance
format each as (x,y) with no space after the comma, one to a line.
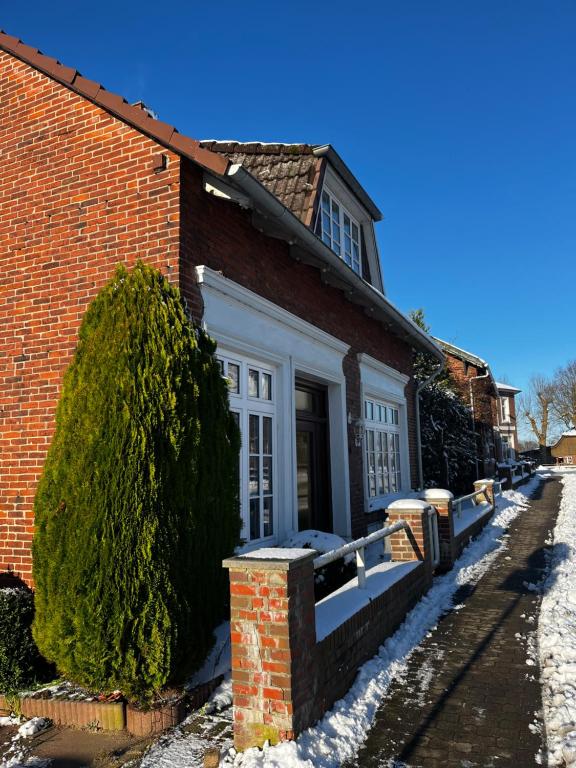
(78,195)
(264,265)
(485,402)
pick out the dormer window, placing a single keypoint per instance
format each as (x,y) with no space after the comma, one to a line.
(339,230)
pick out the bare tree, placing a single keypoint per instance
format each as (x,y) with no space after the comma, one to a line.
(536,408)
(564,403)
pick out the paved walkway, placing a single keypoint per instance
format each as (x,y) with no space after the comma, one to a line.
(470,700)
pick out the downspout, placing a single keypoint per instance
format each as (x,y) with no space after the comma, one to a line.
(473,378)
(419,388)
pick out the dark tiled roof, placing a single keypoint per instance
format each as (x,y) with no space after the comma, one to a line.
(291,172)
(139,118)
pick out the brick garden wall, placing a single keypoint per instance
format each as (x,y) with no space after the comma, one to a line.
(79,195)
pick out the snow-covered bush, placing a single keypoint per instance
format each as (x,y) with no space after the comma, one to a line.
(20,663)
(333,575)
(448,439)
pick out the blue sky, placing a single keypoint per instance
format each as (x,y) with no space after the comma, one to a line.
(458,117)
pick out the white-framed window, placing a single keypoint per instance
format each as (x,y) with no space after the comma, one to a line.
(382,440)
(339,230)
(252,401)
(505,408)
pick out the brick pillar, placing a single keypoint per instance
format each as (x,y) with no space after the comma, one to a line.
(506,474)
(273,639)
(414,544)
(480,498)
(442,501)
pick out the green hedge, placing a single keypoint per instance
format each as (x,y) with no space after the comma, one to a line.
(20,663)
(137,505)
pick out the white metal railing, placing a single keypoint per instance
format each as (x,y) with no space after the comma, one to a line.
(358,546)
(434,536)
(457,503)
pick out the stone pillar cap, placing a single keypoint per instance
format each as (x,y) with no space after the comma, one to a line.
(270,559)
(488,481)
(416,505)
(438,494)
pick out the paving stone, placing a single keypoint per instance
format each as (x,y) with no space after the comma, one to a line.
(483,697)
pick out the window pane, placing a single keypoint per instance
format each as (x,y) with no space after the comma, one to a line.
(369,410)
(325,201)
(253,383)
(370,435)
(254,484)
(268,517)
(335,212)
(372,485)
(254,434)
(254,518)
(266,435)
(336,234)
(267,474)
(355,232)
(234,378)
(267,386)
(346,224)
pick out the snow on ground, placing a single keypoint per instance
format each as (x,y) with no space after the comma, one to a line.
(15,755)
(557,633)
(338,736)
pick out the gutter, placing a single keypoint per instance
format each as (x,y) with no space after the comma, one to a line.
(299,234)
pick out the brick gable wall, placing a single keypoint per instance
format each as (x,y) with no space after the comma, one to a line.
(78,196)
(220,235)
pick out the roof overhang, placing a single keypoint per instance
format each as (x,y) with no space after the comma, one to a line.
(328,151)
(468,357)
(273,218)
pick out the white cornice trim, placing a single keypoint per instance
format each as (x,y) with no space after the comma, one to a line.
(380,367)
(216,280)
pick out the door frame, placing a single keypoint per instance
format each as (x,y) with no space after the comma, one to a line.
(318,424)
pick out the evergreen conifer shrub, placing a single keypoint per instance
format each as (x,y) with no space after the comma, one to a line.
(138,501)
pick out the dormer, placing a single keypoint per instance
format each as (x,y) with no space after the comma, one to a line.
(315,184)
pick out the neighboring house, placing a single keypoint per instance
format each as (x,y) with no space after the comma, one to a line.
(478,390)
(506,426)
(564,451)
(273,248)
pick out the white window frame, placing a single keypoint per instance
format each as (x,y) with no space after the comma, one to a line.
(382,439)
(246,405)
(505,409)
(246,325)
(382,383)
(327,234)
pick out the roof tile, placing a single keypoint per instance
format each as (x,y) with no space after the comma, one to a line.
(287,170)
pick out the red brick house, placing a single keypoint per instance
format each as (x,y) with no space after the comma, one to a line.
(273,247)
(507,423)
(478,390)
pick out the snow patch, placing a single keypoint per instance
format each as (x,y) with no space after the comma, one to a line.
(557,635)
